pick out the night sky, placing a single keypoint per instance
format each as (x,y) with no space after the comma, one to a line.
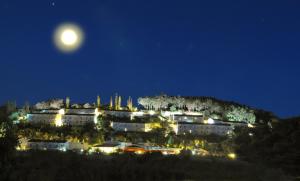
(244,51)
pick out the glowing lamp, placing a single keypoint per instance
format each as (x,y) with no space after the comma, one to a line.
(61,111)
(151,112)
(210,121)
(250,125)
(232,156)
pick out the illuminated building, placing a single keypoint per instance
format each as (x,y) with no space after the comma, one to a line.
(60,145)
(106,148)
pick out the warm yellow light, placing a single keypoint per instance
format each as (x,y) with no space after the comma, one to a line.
(61,111)
(58,120)
(139,152)
(151,126)
(232,156)
(108,150)
(97,113)
(174,127)
(68,37)
(250,125)
(148,128)
(151,112)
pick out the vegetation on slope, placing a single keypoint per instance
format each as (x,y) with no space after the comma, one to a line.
(48,166)
(276,145)
(208,106)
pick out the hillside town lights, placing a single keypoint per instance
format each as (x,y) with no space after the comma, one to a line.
(97,113)
(250,125)
(151,112)
(138,113)
(174,127)
(166,114)
(148,128)
(61,111)
(58,118)
(108,150)
(210,121)
(232,156)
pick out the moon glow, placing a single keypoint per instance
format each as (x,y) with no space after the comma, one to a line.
(68,37)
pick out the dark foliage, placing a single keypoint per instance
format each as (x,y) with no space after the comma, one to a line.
(276,145)
(48,166)
(8,141)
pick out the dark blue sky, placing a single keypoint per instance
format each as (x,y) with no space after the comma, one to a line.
(245,51)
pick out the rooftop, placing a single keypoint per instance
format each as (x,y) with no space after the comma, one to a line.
(108,144)
(47,141)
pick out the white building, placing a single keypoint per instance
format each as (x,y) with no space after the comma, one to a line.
(121,126)
(189,118)
(41,118)
(60,145)
(80,111)
(66,119)
(203,129)
(109,147)
(118,113)
(77,119)
(74,117)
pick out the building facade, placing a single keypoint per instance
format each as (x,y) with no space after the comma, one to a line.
(66,119)
(189,118)
(41,118)
(204,129)
(121,126)
(78,119)
(60,145)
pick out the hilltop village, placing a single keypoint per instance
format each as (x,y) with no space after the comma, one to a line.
(165,124)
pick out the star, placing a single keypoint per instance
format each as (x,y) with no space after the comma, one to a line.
(53,4)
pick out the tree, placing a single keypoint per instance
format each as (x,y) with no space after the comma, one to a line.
(8,141)
(68,102)
(276,147)
(116,102)
(98,101)
(103,126)
(111,104)
(239,114)
(119,102)
(129,104)
(26,107)
(170,141)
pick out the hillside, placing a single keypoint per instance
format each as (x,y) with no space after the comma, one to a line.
(208,106)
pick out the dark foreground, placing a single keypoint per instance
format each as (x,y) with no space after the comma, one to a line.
(50,166)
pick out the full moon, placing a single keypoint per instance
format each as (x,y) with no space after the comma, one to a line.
(68,37)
